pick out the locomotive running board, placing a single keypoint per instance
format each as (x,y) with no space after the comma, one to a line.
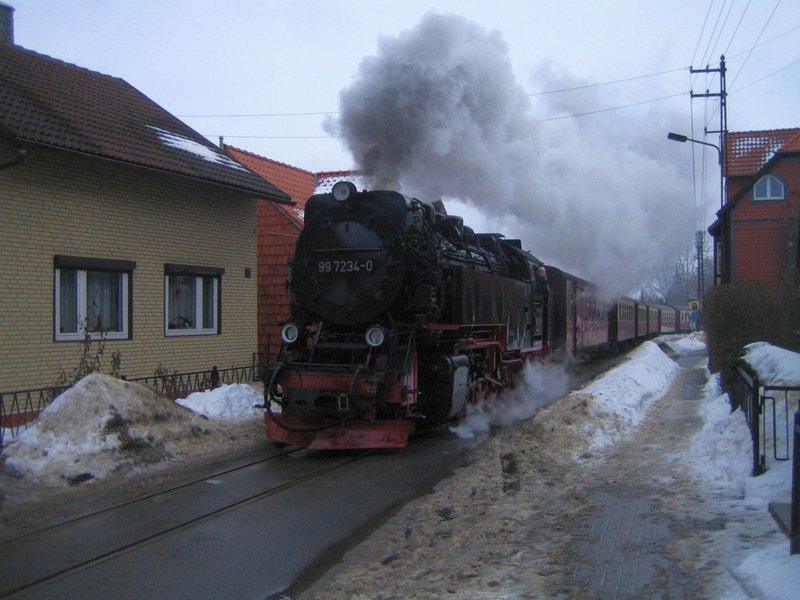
(354,435)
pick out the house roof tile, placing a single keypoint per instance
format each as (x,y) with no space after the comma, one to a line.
(50,102)
(296,182)
(747,151)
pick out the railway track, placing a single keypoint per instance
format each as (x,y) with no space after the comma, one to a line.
(65,549)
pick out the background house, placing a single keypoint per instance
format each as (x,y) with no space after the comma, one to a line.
(756,231)
(119,222)
(278,229)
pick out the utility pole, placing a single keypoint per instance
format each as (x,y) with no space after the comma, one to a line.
(700,268)
(723,130)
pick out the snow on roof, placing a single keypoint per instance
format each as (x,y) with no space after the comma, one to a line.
(208,153)
(747,151)
(327,179)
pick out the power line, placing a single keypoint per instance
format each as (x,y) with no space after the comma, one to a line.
(580,87)
(275,137)
(702,29)
(602,110)
(292,114)
(594,85)
(765,77)
(736,30)
(333,137)
(777,4)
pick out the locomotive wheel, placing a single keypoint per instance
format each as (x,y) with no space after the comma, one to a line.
(483,390)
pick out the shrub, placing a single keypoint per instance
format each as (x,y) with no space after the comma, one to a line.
(738,314)
(89,362)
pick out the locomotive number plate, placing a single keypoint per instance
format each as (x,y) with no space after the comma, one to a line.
(345,266)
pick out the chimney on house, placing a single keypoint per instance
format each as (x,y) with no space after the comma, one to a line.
(6,23)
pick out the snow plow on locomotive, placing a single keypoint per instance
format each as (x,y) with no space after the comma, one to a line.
(400,316)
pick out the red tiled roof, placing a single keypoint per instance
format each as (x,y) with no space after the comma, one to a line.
(54,103)
(297,183)
(747,151)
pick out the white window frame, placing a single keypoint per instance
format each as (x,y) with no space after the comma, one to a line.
(82,267)
(772,182)
(198,273)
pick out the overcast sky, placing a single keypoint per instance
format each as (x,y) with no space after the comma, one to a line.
(297,59)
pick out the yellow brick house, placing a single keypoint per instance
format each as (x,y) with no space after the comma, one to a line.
(120,222)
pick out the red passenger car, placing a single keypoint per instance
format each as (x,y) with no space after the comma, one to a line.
(579,319)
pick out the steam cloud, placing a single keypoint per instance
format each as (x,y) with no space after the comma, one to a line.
(437,113)
(540,385)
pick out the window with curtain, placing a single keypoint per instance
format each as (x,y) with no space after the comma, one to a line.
(192,300)
(92,298)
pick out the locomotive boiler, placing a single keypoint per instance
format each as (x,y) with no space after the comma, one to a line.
(400,316)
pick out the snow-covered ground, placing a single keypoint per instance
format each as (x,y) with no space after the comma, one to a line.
(103,426)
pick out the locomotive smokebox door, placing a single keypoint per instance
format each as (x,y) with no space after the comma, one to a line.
(445,380)
(350,265)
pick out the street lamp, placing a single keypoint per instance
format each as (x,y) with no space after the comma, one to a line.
(677,137)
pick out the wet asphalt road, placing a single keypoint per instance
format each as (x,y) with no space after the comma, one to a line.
(256,549)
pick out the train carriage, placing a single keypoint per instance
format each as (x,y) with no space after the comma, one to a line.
(667,319)
(578,319)
(652,321)
(684,319)
(641,320)
(622,322)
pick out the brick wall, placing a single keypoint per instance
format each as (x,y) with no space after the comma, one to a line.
(763,231)
(278,238)
(62,203)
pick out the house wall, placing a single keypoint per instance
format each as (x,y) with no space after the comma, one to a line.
(277,241)
(763,232)
(62,203)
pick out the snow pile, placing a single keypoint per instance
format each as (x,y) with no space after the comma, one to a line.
(721,455)
(235,401)
(686,344)
(775,366)
(617,401)
(721,452)
(104,425)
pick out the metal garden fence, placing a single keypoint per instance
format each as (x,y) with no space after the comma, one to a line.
(20,408)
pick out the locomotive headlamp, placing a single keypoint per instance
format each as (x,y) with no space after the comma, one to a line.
(343,191)
(375,336)
(289,333)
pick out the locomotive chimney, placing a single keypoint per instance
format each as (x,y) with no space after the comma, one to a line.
(6,23)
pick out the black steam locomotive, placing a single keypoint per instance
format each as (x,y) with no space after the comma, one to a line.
(400,316)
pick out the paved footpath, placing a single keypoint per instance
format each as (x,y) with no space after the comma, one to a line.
(643,533)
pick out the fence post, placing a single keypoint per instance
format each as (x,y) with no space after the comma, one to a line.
(794,531)
(754,399)
(214,378)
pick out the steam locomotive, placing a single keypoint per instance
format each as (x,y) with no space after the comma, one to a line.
(401,316)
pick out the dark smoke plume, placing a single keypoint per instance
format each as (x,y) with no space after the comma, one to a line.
(437,113)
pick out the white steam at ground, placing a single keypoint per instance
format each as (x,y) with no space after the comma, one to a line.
(438,113)
(540,385)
